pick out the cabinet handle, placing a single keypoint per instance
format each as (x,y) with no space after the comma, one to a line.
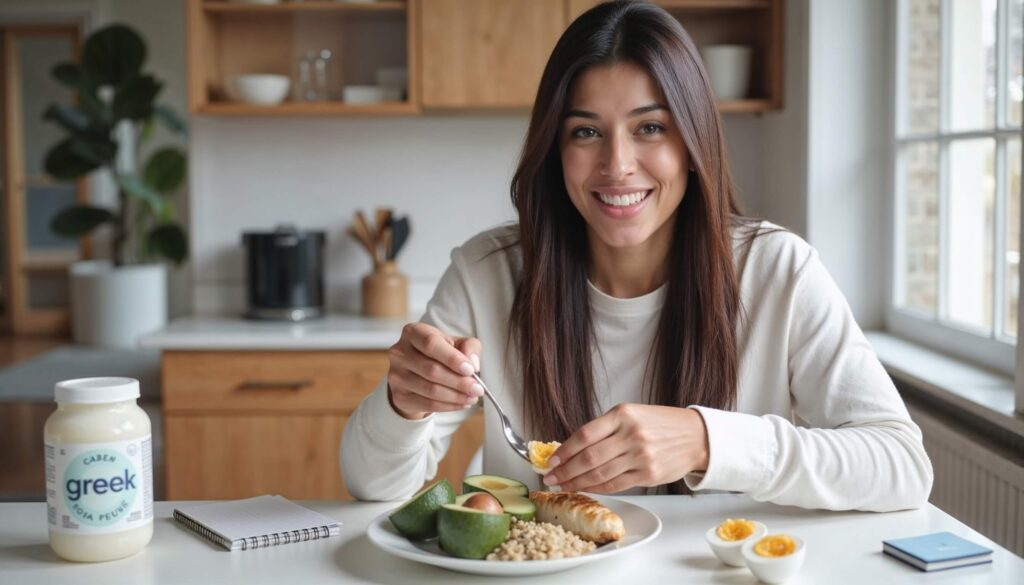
(275,384)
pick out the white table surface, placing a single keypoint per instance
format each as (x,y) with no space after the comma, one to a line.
(336,331)
(842,548)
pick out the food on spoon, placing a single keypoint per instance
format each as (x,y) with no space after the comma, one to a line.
(733,530)
(775,545)
(580,514)
(470,533)
(482,501)
(417,518)
(540,455)
(511,494)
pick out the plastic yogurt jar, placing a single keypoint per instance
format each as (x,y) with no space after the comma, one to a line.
(99,470)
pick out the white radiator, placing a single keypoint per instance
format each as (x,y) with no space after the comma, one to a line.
(978,483)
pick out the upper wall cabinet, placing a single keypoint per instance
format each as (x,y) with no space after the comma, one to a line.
(316,57)
(341,58)
(753,24)
(486,53)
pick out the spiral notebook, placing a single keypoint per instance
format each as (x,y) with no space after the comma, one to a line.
(256,522)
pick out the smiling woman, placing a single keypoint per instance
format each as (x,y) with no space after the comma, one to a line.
(633,314)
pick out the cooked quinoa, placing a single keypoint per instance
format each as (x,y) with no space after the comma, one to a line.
(538,541)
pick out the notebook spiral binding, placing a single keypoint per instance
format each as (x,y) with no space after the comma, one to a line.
(255,542)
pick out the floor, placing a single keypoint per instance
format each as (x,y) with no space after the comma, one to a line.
(21,423)
(21,429)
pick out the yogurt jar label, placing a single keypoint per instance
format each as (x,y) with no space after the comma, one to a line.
(98,488)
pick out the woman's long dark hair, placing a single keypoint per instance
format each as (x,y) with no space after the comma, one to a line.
(694,357)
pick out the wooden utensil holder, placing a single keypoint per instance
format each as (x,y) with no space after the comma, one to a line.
(385,292)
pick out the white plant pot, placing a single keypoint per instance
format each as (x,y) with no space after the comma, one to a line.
(112,307)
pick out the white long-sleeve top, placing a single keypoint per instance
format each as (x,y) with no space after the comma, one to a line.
(818,423)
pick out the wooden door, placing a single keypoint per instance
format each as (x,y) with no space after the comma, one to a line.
(34,294)
(486,53)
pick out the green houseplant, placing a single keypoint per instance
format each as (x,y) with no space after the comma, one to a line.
(113,91)
(116,111)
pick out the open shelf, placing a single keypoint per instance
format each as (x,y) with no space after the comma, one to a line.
(226,39)
(311,109)
(285,7)
(714,4)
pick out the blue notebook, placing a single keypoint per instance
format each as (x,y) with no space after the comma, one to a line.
(934,552)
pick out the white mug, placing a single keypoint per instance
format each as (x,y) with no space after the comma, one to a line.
(728,68)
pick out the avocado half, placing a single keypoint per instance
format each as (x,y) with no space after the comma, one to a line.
(511,493)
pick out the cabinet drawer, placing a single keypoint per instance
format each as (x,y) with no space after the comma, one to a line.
(270,381)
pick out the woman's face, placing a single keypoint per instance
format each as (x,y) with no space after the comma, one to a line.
(623,158)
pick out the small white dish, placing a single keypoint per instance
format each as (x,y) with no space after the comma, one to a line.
(258,88)
(370,94)
(774,569)
(642,526)
(728,551)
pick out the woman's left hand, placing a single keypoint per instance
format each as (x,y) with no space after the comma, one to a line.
(631,445)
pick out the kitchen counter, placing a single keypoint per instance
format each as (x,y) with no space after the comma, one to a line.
(337,331)
(842,547)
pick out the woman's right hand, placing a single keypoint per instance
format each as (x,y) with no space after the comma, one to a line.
(432,372)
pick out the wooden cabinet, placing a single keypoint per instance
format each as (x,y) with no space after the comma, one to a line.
(245,423)
(755,23)
(231,38)
(486,53)
(460,54)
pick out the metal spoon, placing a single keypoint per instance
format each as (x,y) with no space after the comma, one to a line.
(515,441)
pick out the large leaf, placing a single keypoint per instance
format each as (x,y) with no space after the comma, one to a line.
(113,55)
(79,220)
(74,157)
(135,187)
(70,74)
(134,99)
(170,118)
(98,111)
(147,130)
(75,121)
(169,241)
(165,170)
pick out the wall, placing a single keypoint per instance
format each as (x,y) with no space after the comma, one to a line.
(849,148)
(784,179)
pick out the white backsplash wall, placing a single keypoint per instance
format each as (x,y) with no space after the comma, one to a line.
(450,174)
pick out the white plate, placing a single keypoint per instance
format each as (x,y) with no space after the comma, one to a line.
(641,525)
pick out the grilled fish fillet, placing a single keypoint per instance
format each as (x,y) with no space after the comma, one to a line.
(579,514)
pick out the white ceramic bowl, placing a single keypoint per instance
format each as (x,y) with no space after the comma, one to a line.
(728,68)
(774,569)
(728,551)
(258,88)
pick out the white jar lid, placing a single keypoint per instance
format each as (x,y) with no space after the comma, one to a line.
(96,390)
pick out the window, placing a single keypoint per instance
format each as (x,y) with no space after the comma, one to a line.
(959,88)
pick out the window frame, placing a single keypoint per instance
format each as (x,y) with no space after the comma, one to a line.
(990,349)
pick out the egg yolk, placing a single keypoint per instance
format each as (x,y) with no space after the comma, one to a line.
(541,452)
(776,545)
(733,530)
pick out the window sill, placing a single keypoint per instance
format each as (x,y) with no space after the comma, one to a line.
(981,392)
